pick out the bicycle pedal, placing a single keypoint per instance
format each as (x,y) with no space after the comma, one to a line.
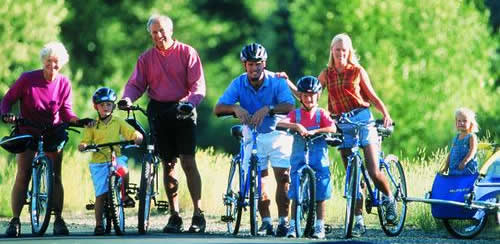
(132,188)
(162,206)
(90,206)
(226,219)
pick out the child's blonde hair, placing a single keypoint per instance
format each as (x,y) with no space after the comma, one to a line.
(469,114)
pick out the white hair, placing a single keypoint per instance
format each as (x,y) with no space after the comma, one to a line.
(470,115)
(55,49)
(161,19)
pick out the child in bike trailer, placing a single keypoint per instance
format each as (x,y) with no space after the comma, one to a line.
(462,157)
(108,129)
(309,120)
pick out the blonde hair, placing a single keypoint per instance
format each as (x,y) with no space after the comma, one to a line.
(161,19)
(55,49)
(352,58)
(470,115)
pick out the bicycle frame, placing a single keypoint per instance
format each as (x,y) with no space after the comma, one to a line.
(245,187)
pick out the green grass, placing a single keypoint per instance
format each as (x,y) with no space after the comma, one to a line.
(213,168)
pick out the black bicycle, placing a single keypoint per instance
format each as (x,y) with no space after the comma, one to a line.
(40,193)
(148,186)
(115,205)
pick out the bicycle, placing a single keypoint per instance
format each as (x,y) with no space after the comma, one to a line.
(117,190)
(389,166)
(247,191)
(148,186)
(304,206)
(40,192)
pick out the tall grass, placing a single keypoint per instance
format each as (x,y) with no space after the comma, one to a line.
(214,168)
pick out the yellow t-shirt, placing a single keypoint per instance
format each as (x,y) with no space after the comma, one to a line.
(115,130)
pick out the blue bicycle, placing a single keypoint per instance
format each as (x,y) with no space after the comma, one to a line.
(389,166)
(304,204)
(244,190)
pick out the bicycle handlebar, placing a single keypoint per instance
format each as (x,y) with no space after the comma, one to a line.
(18,121)
(332,139)
(96,147)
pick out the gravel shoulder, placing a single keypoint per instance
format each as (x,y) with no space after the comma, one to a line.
(83,225)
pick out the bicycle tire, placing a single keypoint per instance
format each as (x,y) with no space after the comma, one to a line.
(42,183)
(145,195)
(116,204)
(106,218)
(305,204)
(465,228)
(351,198)
(231,197)
(253,197)
(397,182)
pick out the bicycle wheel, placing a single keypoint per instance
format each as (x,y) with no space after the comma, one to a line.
(395,176)
(465,228)
(116,204)
(253,197)
(106,218)
(351,196)
(231,198)
(305,206)
(42,181)
(145,194)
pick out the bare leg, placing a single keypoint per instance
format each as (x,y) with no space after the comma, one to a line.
(264,201)
(371,156)
(193,179)
(282,176)
(23,176)
(99,208)
(321,209)
(56,158)
(171,185)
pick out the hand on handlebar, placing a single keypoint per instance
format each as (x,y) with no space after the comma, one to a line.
(124,103)
(9,118)
(184,110)
(86,122)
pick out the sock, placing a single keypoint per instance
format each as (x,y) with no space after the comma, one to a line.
(320,223)
(390,198)
(283,220)
(359,219)
(266,219)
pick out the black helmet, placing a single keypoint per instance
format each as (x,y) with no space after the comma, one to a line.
(253,52)
(16,143)
(309,84)
(104,94)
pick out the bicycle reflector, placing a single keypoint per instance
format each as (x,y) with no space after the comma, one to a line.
(16,143)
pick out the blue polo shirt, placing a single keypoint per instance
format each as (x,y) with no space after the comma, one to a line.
(273,91)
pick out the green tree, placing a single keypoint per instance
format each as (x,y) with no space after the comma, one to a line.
(23,32)
(425,58)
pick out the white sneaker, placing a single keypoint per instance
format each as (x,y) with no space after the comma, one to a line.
(319,232)
(291,232)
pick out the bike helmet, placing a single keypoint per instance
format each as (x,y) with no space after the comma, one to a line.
(104,94)
(16,143)
(309,84)
(253,52)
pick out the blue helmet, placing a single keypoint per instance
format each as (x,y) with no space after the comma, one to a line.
(309,84)
(253,52)
(104,94)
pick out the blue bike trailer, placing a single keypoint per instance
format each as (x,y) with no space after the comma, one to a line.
(452,188)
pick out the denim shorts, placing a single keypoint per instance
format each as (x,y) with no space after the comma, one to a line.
(100,173)
(367,134)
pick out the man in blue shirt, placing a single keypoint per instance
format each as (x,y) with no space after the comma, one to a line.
(261,95)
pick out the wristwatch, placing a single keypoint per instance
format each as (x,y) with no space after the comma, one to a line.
(271,110)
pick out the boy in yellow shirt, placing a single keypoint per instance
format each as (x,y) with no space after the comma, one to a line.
(107,129)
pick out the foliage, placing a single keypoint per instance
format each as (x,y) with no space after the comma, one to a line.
(424,58)
(23,32)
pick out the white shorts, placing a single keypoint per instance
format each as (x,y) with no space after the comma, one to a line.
(274,147)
